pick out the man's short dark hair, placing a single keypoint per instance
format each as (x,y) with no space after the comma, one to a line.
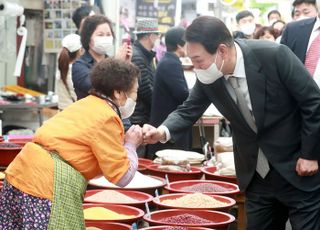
(209,32)
(274,12)
(90,25)
(299,2)
(112,74)
(79,14)
(175,37)
(243,14)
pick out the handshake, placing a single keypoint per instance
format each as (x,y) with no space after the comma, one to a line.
(145,135)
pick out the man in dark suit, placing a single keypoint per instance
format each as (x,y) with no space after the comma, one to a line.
(303,37)
(273,106)
(170,89)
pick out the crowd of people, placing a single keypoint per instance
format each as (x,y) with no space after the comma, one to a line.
(116,107)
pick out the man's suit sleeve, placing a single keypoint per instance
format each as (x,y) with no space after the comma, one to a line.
(307,94)
(188,113)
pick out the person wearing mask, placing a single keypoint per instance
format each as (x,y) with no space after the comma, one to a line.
(265,33)
(273,16)
(80,14)
(97,38)
(170,89)
(45,184)
(303,9)
(246,25)
(148,35)
(71,51)
(303,38)
(273,107)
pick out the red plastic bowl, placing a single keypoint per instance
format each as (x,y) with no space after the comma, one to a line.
(167,226)
(178,186)
(142,165)
(1,184)
(121,209)
(195,173)
(150,190)
(144,161)
(219,220)
(109,226)
(141,198)
(229,202)
(209,174)
(7,154)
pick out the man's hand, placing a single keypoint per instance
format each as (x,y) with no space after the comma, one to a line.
(152,135)
(307,167)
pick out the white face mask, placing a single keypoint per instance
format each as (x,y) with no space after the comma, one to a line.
(156,43)
(128,108)
(302,18)
(248,28)
(210,75)
(103,45)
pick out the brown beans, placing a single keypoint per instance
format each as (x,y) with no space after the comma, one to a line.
(205,187)
(185,219)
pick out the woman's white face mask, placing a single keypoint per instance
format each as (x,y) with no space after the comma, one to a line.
(103,45)
(211,74)
(128,108)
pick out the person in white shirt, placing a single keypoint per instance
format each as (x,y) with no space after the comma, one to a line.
(273,107)
(71,51)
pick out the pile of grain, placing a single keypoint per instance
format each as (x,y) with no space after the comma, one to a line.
(100,213)
(205,187)
(195,200)
(184,219)
(110,196)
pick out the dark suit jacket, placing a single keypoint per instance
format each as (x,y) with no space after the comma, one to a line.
(286,107)
(170,90)
(296,36)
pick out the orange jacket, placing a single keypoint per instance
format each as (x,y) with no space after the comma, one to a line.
(88,134)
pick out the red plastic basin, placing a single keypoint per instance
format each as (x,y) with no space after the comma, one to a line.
(194,174)
(121,209)
(167,227)
(209,174)
(178,186)
(218,220)
(7,154)
(229,202)
(109,226)
(141,198)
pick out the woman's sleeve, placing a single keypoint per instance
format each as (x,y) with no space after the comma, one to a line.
(118,162)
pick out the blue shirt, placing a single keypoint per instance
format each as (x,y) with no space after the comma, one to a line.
(81,70)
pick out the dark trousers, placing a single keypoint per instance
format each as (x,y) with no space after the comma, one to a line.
(270,201)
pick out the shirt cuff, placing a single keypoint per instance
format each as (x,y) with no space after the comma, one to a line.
(167,132)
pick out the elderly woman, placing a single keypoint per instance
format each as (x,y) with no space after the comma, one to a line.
(45,183)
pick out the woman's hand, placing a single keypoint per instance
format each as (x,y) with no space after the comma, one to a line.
(124,52)
(134,135)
